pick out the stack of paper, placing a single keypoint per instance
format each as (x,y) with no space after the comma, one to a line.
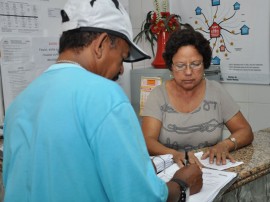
(213,182)
(162,161)
(168,173)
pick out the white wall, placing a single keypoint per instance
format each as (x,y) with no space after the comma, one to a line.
(253,99)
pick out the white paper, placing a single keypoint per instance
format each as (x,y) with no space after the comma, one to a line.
(23,59)
(206,163)
(162,161)
(45,52)
(147,85)
(213,182)
(15,66)
(19,17)
(167,174)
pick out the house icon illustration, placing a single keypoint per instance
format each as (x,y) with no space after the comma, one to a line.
(222,48)
(198,11)
(215,2)
(216,61)
(214,30)
(244,30)
(236,6)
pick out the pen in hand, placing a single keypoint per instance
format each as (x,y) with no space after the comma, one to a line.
(186,162)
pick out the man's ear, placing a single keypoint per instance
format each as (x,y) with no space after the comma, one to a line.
(100,44)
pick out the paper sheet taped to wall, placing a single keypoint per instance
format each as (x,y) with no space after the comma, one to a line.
(147,85)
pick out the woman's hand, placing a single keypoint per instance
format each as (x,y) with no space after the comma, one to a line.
(179,158)
(220,151)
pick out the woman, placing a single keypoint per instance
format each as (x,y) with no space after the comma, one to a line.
(189,112)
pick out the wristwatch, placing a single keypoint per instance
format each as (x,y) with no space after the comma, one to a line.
(184,195)
(234,142)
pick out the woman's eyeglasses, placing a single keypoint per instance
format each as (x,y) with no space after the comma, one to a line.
(183,66)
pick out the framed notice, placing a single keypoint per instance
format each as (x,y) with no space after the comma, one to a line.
(147,85)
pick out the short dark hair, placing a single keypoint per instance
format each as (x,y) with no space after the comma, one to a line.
(185,37)
(77,40)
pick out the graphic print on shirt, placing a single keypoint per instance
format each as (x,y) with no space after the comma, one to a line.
(208,126)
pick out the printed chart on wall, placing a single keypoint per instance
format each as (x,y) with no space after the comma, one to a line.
(29,35)
(147,85)
(23,60)
(238,32)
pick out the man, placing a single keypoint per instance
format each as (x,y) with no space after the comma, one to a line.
(72,134)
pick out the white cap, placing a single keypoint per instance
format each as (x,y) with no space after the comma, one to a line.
(101,16)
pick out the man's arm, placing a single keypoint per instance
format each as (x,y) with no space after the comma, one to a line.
(190,175)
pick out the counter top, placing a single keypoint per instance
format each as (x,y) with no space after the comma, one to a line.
(256,158)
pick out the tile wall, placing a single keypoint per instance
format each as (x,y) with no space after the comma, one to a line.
(253,99)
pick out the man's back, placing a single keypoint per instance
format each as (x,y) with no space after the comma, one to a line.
(60,138)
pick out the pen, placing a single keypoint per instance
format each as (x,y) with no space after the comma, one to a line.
(186,158)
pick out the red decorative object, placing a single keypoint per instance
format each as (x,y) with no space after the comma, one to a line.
(155,26)
(162,38)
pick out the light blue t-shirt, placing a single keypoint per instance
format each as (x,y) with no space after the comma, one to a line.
(72,135)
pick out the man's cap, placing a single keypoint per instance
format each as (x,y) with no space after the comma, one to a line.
(101,16)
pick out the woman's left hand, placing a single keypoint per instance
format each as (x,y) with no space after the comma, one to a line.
(179,158)
(192,159)
(220,151)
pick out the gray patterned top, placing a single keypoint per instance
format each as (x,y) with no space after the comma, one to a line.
(200,128)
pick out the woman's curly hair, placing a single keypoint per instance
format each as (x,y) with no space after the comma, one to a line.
(187,36)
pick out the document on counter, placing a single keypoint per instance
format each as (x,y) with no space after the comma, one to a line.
(206,163)
(214,181)
(162,161)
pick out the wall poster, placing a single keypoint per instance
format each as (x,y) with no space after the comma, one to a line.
(238,32)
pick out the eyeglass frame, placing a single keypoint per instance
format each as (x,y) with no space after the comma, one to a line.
(192,66)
